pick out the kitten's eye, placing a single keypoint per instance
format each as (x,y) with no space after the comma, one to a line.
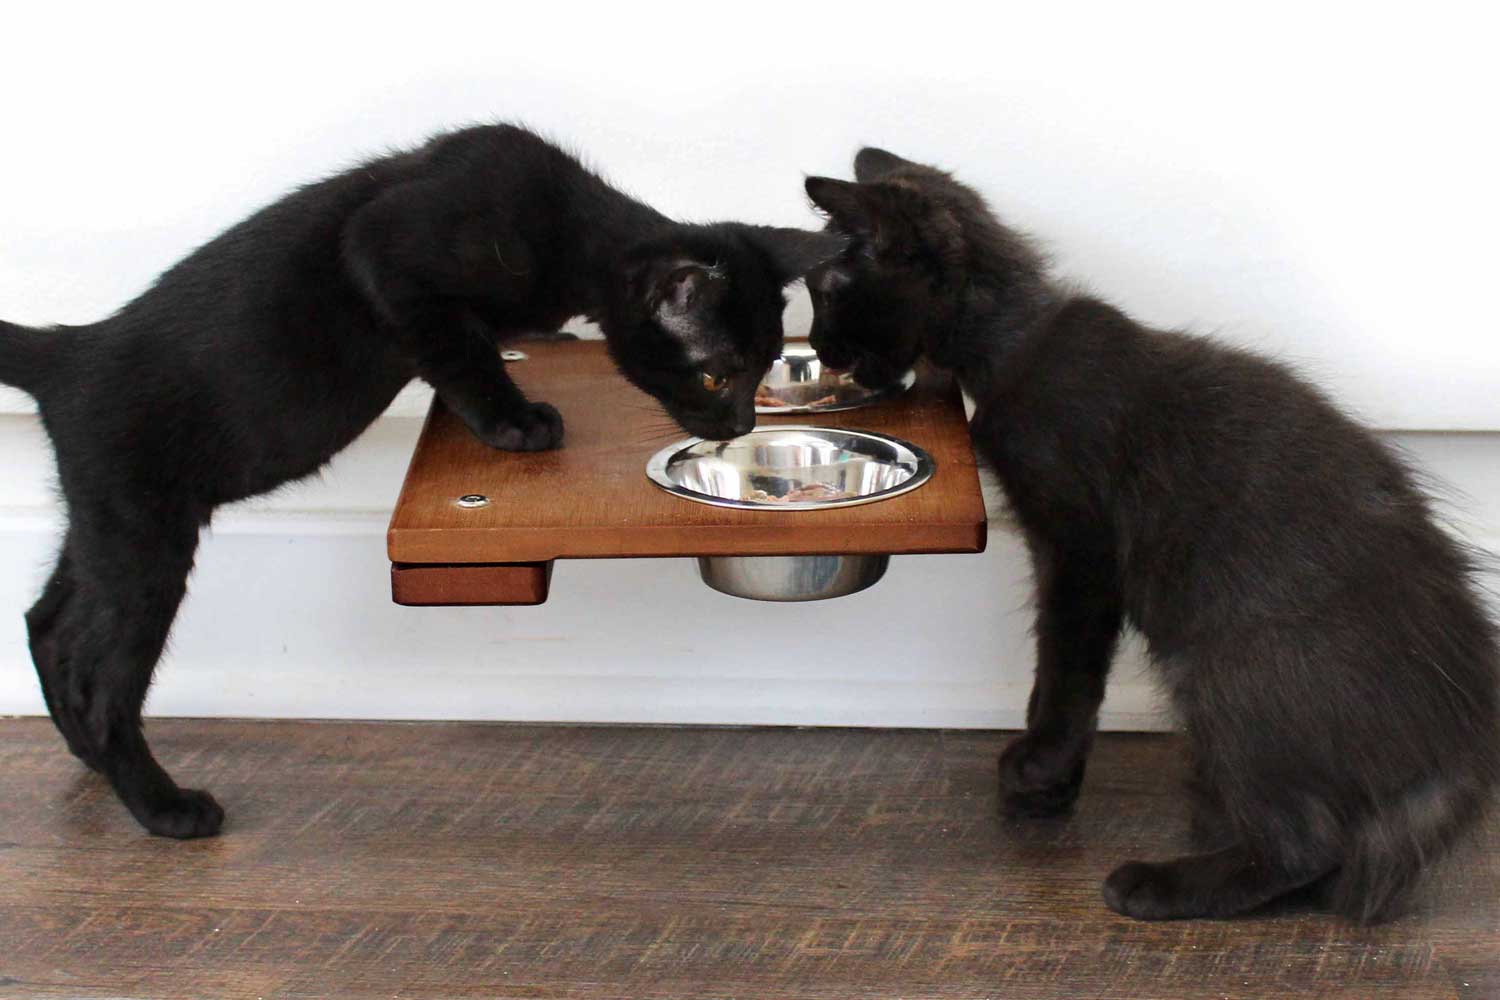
(713,383)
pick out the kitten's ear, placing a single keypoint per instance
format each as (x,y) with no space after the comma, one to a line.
(843,203)
(873,163)
(794,252)
(682,288)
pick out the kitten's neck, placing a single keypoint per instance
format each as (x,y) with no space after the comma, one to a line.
(1001,309)
(602,225)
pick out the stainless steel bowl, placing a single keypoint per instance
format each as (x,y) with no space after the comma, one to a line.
(799,383)
(820,468)
(791,578)
(795,467)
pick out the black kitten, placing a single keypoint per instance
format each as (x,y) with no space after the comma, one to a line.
(265,352)
(1319,636)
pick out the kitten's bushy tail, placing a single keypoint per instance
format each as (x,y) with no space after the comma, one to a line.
(1390,850)
(26,357)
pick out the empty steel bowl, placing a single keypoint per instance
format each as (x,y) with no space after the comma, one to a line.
(799,383)
(789,469)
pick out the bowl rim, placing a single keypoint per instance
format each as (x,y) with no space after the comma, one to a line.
(656,471)
(802,349)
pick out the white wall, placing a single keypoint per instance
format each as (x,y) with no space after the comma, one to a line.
(1314,182)
(1314,178)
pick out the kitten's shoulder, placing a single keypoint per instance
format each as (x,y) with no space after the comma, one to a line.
(1081,319)
(1082,310)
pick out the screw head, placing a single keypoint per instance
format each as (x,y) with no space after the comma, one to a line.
(471,500)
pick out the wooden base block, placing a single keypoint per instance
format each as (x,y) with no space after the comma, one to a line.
(418,585)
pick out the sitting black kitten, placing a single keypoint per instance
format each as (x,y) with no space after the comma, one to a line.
(1318,635)
(265,352)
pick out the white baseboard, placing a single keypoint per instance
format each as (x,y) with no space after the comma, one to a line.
(287,624)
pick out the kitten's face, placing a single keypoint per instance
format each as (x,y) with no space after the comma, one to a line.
(696,318)
(865,317)
(875,305)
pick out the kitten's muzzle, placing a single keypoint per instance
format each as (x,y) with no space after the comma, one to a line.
(718,430)
(831,354)
(869,370)
(876,373)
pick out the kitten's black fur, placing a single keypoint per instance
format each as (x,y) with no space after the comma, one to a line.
(1320,637)
(266,351)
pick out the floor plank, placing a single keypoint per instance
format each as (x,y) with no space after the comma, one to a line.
(398,860)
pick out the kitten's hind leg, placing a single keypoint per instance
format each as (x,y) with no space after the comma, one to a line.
(47,653)
(112,633)
(1222,883)
(1210,826)
(1078,620)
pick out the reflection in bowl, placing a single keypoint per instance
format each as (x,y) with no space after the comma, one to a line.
(799,383)
(791,468)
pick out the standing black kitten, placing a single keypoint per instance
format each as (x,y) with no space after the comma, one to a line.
(1319,636)
(256,359)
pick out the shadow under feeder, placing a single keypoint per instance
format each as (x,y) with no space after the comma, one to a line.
(475,526)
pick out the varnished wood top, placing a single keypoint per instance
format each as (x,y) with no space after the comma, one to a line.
(592,499)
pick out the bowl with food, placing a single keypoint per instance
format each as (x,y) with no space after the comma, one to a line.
(798,382)
(792,470)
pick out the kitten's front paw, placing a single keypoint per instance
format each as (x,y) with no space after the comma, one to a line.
(1039,778)
(1144,891)
(537,427)
(185,815)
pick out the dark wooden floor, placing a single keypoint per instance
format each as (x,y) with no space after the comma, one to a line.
(383,861)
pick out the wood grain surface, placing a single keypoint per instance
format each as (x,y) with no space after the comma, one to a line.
(592,499)
(378,861)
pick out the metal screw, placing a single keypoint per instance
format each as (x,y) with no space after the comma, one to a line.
(471,500)
(509,355)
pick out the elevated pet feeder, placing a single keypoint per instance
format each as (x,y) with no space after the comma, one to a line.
(478,526)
